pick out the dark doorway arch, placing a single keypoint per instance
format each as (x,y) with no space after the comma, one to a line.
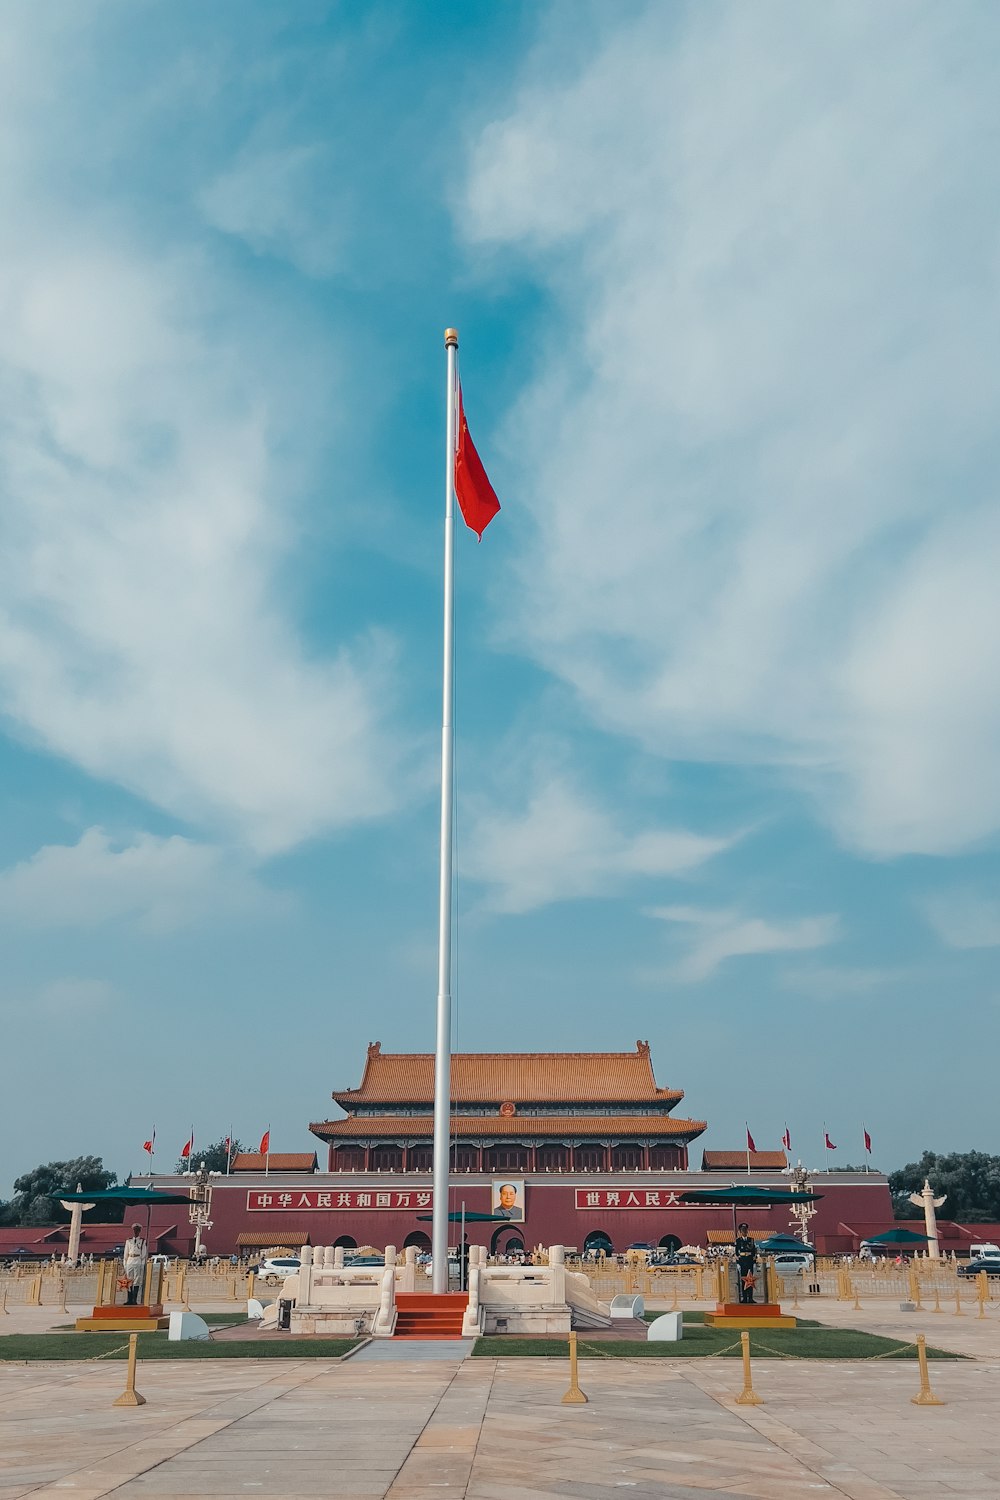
(670,1242)
(505,1240)
(599,1239)
(346,1241)
(419,1238)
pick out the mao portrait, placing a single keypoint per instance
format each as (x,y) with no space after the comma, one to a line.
(508,1200)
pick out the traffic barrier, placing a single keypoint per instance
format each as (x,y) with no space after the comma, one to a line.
(925,1396)
(130,1396)
(747,1396)
(574,1396)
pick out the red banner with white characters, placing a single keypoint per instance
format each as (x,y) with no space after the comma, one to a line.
(629,1198)
(274,1200)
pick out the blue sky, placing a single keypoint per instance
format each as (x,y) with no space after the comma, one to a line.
(729,713)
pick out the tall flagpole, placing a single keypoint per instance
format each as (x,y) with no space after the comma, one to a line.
(442,1053)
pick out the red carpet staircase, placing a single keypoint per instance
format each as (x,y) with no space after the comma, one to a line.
(422,1315)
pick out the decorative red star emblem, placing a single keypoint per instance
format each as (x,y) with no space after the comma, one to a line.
(748,1281)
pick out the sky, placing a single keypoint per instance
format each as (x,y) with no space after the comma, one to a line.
(727,280)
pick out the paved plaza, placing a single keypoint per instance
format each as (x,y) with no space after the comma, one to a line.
(411,1428)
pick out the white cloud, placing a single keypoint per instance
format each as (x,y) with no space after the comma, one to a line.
(831,983)
(758,462)
(565,845)
(720,935)
(148,488)
(283,201)
(71,996)
(160,883)
(964,918)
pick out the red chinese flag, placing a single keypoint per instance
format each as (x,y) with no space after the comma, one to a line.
(750,1144)
(476,495)
(786,1140)
(829,1144)
(226,1144)
(148,1147)
(868,1143)
(187,1148)
(265,1142)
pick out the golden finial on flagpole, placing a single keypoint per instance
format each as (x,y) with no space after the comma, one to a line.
(451,337)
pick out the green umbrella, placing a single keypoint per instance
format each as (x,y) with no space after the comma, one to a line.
(782,1242)
(125,1195)
(896,1237)
(739,1196)
(137,1197)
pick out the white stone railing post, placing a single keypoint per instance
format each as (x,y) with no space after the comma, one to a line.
(470,1318)
(305,1276)
(385,1318)
(338,1257)
(557,1268)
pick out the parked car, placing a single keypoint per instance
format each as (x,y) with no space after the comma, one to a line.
(276,1268)
(678,1261)
(364,1260)
(992,1252)
(988,1263)
(792,1262)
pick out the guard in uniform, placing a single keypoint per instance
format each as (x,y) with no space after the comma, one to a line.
(746,1260)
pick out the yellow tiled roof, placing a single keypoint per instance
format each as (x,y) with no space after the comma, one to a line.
(278,1161)
(730,1161)
(517,1077)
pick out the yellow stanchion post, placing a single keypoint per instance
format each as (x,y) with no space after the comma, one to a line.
(925,1396)
(857,1300)
(747,1396)
(130,1396)
(673,1305)
(983,1293)
(937,1299)
(574,1396)
(251,1278)
(958,1301)
(3,1304)
(795,1292)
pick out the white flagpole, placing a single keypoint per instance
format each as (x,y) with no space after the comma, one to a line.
(442,1053)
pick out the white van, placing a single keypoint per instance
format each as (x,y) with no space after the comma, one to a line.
(984,1248)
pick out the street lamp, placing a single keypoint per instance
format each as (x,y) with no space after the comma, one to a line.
(201,1206)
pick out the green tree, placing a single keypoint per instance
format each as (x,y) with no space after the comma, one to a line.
(969,1179)
(37,1193)
(214,1156)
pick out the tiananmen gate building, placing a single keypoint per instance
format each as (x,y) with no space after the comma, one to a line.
(582,1149)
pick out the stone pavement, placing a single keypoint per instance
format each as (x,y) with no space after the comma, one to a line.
(478,1429)
(494,1430)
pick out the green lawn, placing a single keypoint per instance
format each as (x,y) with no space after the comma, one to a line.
(808,1341)
(60,1345)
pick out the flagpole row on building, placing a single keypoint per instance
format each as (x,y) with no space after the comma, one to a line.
(442,1050)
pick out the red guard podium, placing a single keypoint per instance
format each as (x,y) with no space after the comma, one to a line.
(732,1313)
(111,1316)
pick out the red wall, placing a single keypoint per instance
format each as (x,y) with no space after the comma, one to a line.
(551,1213)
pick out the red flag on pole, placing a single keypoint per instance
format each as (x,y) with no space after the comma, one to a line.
(786,1140)
(188,1147)
(265,1142)
(476,496)
(227,1143)
(750,1142)
(829,1144)
(868,1141)
(147,1146)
